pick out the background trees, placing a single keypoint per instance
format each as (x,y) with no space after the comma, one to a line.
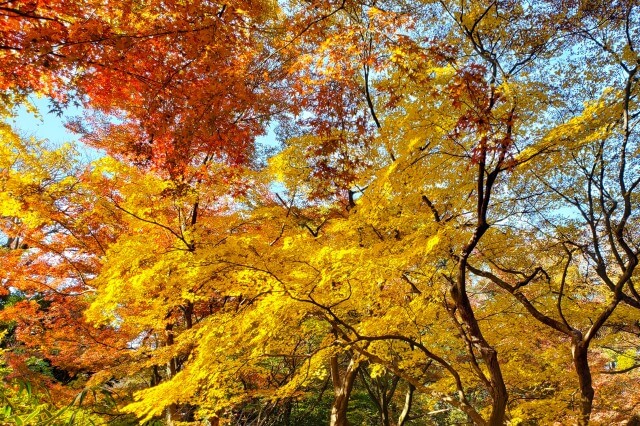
(445,232)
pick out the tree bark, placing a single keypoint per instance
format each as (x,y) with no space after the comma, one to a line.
(408,401)
(579,351)
(342,386)
(489,355)
(288,406)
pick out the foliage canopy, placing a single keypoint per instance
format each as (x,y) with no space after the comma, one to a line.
(446,230)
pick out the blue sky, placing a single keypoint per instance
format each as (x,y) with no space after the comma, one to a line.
(47,126)
(51,127)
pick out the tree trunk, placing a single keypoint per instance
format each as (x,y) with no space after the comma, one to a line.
(339,410)
(408,401)
(500,395)
(287,412)
(171,414)
(489,355)
(178,412)
(342,386)
(384,412)
(171,410)
(579,351)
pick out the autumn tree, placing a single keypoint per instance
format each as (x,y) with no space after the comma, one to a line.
(452,176)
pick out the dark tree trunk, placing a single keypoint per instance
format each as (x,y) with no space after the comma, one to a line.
(489,355)
(287,412)
(579,351)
